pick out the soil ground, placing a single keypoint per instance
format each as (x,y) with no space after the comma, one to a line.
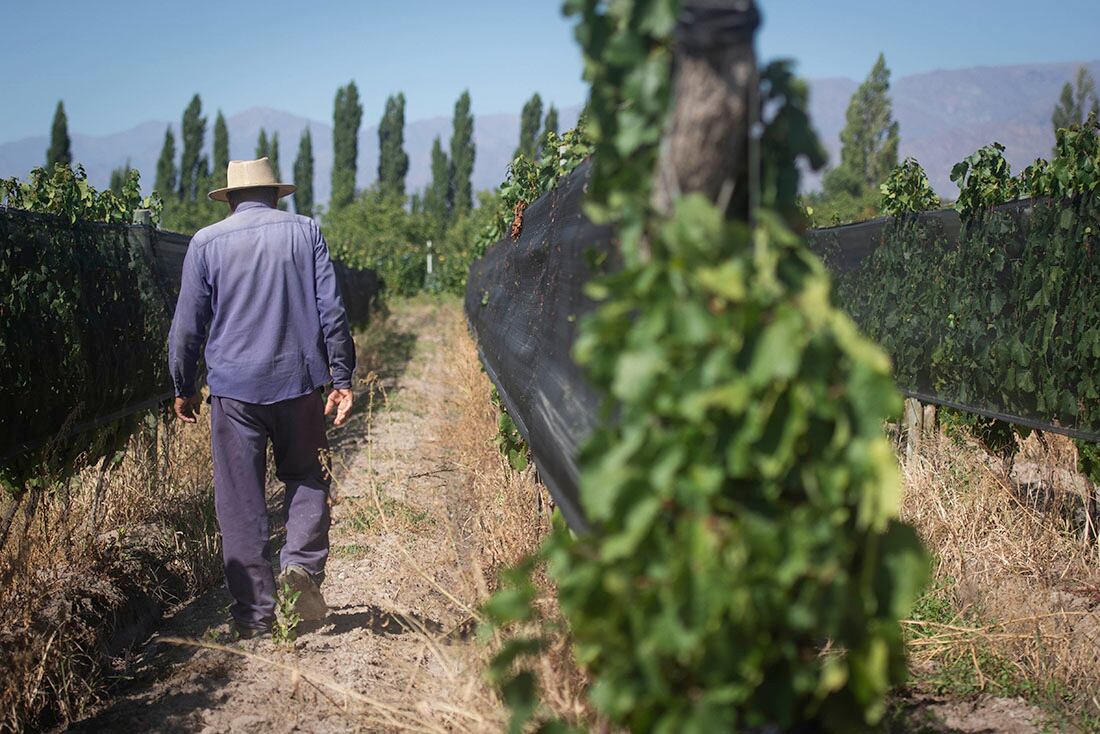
(397,582)
(397,651)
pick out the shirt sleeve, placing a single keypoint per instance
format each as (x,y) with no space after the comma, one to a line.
(334,320)
(189,323)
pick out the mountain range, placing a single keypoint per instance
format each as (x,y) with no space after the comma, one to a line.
(944,116)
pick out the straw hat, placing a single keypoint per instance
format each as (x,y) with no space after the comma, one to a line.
(250,175)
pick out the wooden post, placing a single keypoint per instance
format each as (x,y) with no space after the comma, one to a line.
(706,147)
(140,234)
(929,421)
(914,427)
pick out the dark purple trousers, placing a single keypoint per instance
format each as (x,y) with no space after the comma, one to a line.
(239,435)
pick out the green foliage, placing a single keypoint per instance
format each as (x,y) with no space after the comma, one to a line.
(119,177)
(1088,460)
(376,231)
(1005,316)
(744,502)
(869,140)
(165,184)
(509,439)
(303,175)
(60,150)
(998,437)
(869,151)
(463,152)
(460,244)
(83,319)
(1073,173)
(788,136)
(437,197)
(68,194)
(263,147)
(273,155)
(528,180)
(287,618)
(346,118)
(550,125)
(1076,102)
(529,120)
(194,168)
(188,217)
(907,191)
(393,161)
(842,208)
(471,233)
(221,152)
(186,206)
(742,496)
(627,53)
(984,180)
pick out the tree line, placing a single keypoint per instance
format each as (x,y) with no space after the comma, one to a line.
(870,137)
(184,173)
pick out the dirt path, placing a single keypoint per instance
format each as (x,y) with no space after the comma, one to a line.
(397,652)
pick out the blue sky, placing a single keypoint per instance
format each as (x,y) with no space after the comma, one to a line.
(118,63)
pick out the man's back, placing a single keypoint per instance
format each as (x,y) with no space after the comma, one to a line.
(260,290)
(261,279)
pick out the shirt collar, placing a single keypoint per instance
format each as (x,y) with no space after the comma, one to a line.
(246,205)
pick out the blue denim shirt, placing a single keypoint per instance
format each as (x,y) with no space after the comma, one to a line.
(262,283)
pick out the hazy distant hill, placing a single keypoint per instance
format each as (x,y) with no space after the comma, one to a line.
(947,115)
(944,116)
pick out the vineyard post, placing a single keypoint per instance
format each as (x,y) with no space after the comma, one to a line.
(707,145)
(914,426)
(929,424)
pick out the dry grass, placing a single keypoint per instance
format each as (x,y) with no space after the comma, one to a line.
(1016,582)
(499,517)
(509,517)
(79,555)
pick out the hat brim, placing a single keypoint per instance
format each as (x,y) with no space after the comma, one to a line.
(222,194)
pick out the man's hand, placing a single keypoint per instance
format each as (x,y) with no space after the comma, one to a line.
(188,408)
(340,399)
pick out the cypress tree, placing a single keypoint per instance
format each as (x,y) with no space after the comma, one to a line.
(550,126)
(346,118)
(194,168)
(463,152)
(221,151)
(303,175)
(60,150)
(166,166)
(437,196)
(1074,106)
(393,161)
(119,177)
(273,157)
(869,140)
(529,122)
(263,148)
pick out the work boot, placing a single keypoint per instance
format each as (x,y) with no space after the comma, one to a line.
(311,605)
(250,633)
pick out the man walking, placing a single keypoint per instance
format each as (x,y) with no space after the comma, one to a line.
(259,287)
